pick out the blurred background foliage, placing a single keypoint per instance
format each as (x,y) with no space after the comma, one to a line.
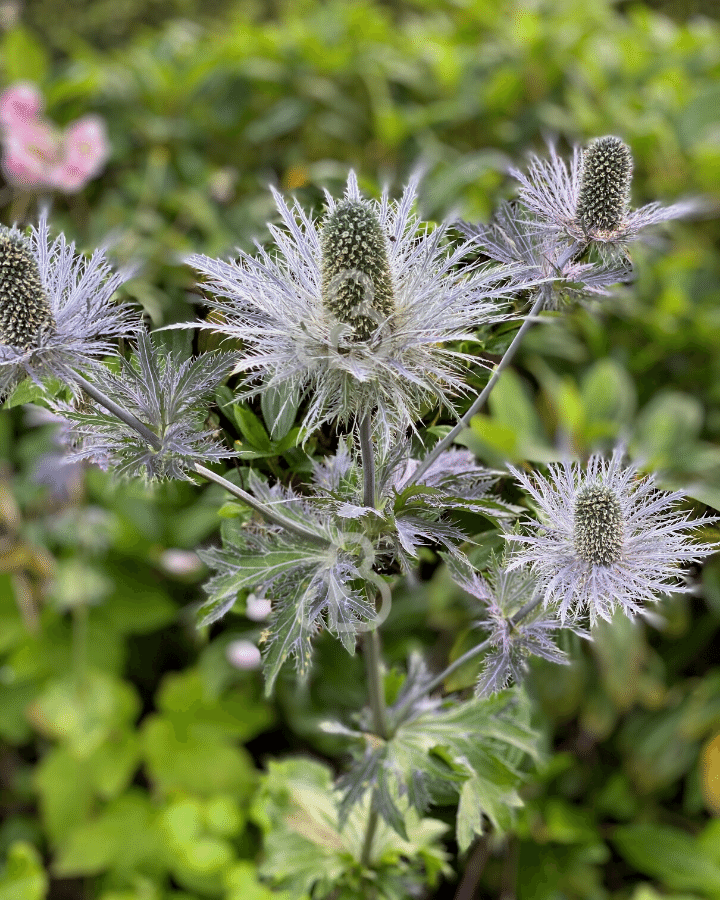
(130,748)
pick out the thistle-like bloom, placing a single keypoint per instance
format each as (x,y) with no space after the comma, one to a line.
(356,310)
(56,309)
(589,200)
(167,394)
(514,237)
(503,594)
(608,538)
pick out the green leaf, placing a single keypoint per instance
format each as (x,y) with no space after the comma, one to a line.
(252,429)
(194,759)
(279,406)
(23,57)
(103,844)
(66,793)
(23,876)
(27,391)
(85,715)
(671,856)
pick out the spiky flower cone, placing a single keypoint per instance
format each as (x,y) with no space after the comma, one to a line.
(604,196)
(598,525)
(356,281)
(24,308)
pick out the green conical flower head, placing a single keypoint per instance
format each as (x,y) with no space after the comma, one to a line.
(356,281)
(598,525)
(24,308)
(604,197)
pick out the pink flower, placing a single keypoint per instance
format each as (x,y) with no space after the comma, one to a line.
(21,103)
(85,150)
(30,150)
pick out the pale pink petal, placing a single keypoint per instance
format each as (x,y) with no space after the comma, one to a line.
(21,102)
(30,151)
(86,147)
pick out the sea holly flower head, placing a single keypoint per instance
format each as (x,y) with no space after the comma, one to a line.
(607,538)
(589,200)
(356,309)
(514,237)
(56,309)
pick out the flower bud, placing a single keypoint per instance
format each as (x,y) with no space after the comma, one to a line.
(604,196)
(24,308)
(356,281)
(598,525)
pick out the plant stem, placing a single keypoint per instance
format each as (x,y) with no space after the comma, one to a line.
(477,404)
(543,296)
(154,441)
(368,462)
(376,689)
(371,639)
(118,411)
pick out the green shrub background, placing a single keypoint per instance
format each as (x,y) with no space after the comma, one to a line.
(130,750)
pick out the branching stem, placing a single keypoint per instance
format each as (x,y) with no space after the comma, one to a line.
(462,660)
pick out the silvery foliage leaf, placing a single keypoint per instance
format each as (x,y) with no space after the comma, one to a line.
(503,595)
(168,394)
(441,750)
(408,515)
(515,236)
(306,851)
(84,321)
(312,585)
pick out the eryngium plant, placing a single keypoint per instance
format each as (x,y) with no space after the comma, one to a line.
(354,318)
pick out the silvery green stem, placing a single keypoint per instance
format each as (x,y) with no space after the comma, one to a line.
(118,411)
(371,639)
(260,508)
(543,296)
(368,461)
(485,393)
(154,441)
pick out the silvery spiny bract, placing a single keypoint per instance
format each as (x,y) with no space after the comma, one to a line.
(514,237)
(356,310)
(166,393)
(589,200)
(56,309)
(607,538)
(503,594)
